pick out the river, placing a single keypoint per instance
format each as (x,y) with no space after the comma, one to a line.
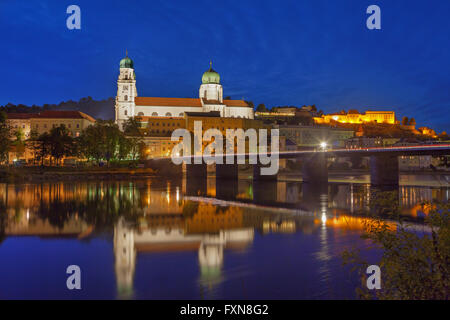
(155,239)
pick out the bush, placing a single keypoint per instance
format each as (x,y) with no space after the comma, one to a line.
(414,264)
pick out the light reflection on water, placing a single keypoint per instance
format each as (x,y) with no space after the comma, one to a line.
(150,239)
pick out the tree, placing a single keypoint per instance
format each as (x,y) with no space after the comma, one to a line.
(19,143)
(125,146)
(61,143)
(91,142)
(261,108)
(133,148)
(414,265)
(103,141)
(42,146)
(132,127)
(405,121)
(5,137)
(250,103)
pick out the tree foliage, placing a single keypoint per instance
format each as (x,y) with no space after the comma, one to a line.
(104,141)
(415,264)
(5,135)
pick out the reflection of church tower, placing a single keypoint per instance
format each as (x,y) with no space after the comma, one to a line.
(126,91)
(210,257)
(125,258)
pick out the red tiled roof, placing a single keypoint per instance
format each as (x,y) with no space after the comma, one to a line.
(167,102)
(235,103)
(63,115)
(183,102)
(13,116)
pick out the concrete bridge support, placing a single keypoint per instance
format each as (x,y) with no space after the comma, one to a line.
(264,186)
(315,170)
(227,181)
(384,170)
(196,179)
(257,176)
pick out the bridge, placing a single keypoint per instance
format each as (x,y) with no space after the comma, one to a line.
(384,169)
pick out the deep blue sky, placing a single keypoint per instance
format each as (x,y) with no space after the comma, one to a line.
(274,52)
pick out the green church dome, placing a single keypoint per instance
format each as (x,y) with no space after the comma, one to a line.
(126,62)
(211,76)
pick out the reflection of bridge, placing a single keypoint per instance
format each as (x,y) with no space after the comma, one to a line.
(210,247)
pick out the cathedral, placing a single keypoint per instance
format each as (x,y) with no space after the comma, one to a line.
(129,104)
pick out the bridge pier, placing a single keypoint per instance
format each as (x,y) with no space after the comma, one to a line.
(257,176)
(384,170)
(264,186)
(315,170)
(196,179)
(227,181)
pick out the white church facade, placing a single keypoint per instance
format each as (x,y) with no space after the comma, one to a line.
(129,104)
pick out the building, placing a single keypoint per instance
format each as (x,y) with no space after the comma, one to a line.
(289,114)
(354,116)
(26,123)
(428,132)
(313,136)
(157,131)
(20,122)
(129,104)
(157,147)
(74,121)
(367,142)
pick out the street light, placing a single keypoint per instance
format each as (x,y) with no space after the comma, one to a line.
(323,145)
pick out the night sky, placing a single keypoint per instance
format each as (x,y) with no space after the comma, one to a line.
(272,52)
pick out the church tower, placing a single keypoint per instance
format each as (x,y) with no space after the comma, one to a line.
(211,92)
(126,91)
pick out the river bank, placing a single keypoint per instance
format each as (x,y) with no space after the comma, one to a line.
(45,174)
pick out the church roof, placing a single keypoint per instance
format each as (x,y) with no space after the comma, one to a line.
(184,102)
(167,102)
(235,103)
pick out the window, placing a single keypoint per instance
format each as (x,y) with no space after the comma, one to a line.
(140,114)
(181,114)
(78,125)
(154,114)
(168,114)
(125,112)
(70,126)
(126,98)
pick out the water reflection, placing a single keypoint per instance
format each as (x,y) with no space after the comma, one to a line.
(164,216)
